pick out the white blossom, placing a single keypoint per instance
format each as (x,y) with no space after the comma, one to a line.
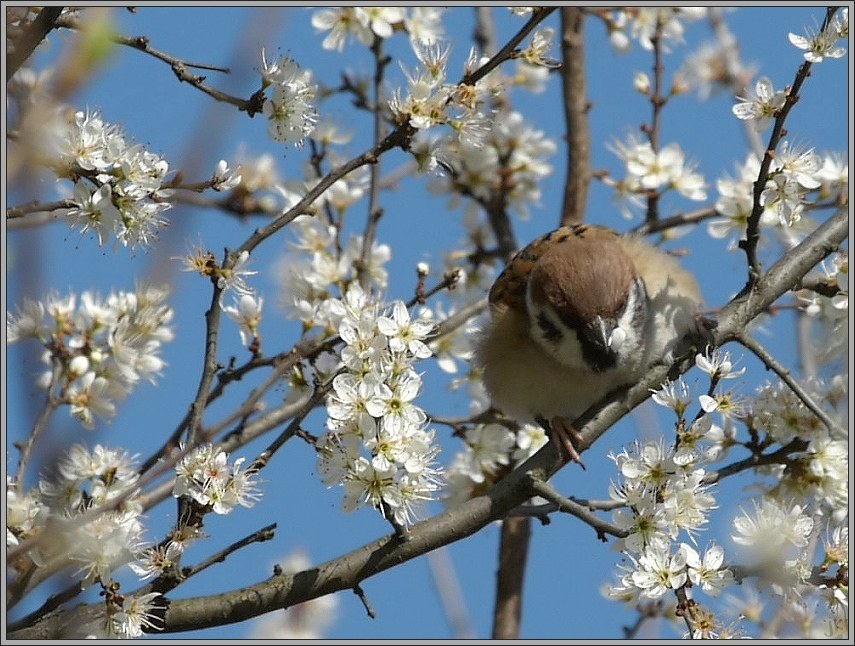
(246,312)
(134,614)
(717,364)
(205,475)
(762,106)
(657,570)
(290,111)
(224,178)
(821,44)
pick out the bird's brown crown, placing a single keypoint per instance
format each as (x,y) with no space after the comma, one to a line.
(580,270)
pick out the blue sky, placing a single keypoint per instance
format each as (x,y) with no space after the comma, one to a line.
(567,564)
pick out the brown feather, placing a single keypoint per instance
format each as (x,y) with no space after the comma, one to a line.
(583,280)
(510,287)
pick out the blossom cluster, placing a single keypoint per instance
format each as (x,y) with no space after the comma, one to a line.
(794,175)
(422,24)
(820,473)
(664,495)
(642,24)
(289,110)
(510,160)
(316,268)
(489,451)
(654,170)
(97,350)
(378,445)
(83,480)
(87,515)
(206,476)
(118,186)
(663,492)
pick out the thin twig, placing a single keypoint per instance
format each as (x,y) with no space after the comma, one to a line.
(676,220)
(282,362)
(460,318)
(181,69)
(264,457)
(250,404)
(209,364)
(786,376)
(752,233)
(14,212)
(449,280)
(26,448)
(538,16)
(259,536)
(52,602)
(545,490)
(684,608)
(657,102)
(819,284)
(398,138)
(369,609)
(780,456)
(375,212)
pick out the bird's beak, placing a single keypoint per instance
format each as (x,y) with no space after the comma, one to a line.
(601,332)
(600,345)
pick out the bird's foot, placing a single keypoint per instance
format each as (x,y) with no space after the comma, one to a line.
(703,327)
(564,435)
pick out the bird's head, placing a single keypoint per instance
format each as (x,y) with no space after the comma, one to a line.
(587,305)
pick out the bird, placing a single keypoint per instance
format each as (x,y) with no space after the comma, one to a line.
(576,314)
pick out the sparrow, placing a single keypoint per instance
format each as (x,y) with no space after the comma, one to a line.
(576,314)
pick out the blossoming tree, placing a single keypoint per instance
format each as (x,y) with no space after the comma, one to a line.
(325,336)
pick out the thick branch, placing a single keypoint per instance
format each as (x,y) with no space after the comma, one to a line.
(575,115)
(510,577)
(30,39)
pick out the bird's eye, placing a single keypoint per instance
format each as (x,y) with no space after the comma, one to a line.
(550,331)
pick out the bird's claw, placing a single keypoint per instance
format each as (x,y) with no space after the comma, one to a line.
(564,435)
(703,327)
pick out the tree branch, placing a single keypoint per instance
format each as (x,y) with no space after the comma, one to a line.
(570,506)
(181,68)
(786,376)
(14,212)
(576,106)
(375,212)
(752,233)
(510,577)
(259,536)
(27,42)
